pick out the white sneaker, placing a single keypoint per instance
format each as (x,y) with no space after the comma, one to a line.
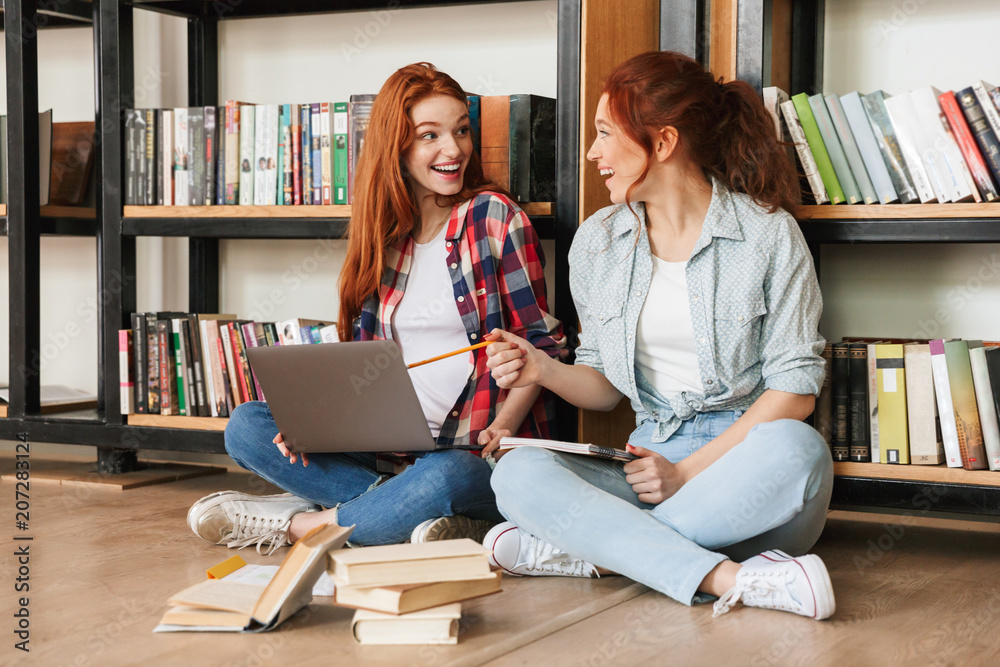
(775,580)
(451,528)
(239,519)
(517,552)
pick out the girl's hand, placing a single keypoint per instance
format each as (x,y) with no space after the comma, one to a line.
(288,453)
(652,477)
(514,362)
(489,440)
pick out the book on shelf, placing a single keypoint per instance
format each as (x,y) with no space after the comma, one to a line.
(165,181)
(220,156)
(873,436)
(888,144)
(950,165)
(834,149)
(967,145)
(72,162)
(986,403)
(398,564)
(126,382)
(316,153)
(871,156)
(408,598)
(359,112)
(859,447)
(217,605)
(495,138)
(923,423)
(912,143)
(198,378)
(830,118)
(818,149)
(295,136)
(823,415)
(992,355)
(434,626)
(809,169)
(946,408)
(196,152)
(982,91)
(305,151)
(139,345)
(583,449)
(339,148)
(133,140)
(532,147)
(248,113)
(982,132)
(181,158)
(285,157)
(211,143)
(963,396)
(181,365)
(326,158)
(840,384)
(892,423)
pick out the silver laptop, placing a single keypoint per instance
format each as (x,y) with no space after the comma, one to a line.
(342,397)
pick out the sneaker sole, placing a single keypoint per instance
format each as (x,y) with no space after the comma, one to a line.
(453,528)
(819,581)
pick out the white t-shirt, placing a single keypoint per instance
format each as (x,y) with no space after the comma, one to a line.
(426,324)
(664,346)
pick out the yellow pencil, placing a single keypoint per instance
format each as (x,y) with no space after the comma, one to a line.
(450,354)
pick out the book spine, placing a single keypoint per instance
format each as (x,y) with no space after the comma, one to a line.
(359,112)
(167,157)
(271,333)
(227,402)
(993,370)
(232,152)
(823,417)
(850,145)
(140,157)
(139,377)
(285,156)
(225,335)
(168,388)
(818,149)
(316,157)
(982,93)
(518,150)
(326,158)
(940,148)
(125,376)
(833,147)
(131,154)
(860,450)
(180,363)
(888,144)
(924,425)
(152,365)
(158,157)
(208,364)
(854,111)
(495,122)
(946,408)
(806,160)
(963,397)
(872,403)
(340,153)
(967,145)
(220,158)
(981,131)
(841,402)
(901,114)
(252,339)
(893,433)
(305,120)
(149,153)
(296,132)
(240,357)
(542,149)
(193,333)
(247,163)
(260,155)
(271,148)
(210,157)
(196,153)
(986,404)
(181,157)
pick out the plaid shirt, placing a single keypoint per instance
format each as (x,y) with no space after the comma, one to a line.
(495,262)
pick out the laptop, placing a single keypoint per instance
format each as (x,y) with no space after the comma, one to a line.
(342,397)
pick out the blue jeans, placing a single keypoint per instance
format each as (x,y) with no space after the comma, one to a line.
(771,491)
(384,510)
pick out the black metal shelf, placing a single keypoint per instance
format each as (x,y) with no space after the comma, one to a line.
(895,230)
(61,227)
(62,14)
(50,428)
(244,9)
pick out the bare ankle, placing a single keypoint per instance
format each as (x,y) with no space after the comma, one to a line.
(720,579)
(303,522)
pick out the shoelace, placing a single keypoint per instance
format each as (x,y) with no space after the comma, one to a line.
(248,529)
(758,585)
(545,557)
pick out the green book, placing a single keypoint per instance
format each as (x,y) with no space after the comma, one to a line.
(340,153)
(815,141)
(283,112)
(179,364)
(963,397)
(835,150)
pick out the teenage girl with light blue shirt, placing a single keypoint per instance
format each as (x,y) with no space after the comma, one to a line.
(698,301)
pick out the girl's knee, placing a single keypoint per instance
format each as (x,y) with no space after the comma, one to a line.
(794,442)
(245,427)
(519,466)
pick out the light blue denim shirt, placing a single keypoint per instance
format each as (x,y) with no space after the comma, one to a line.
(754,300)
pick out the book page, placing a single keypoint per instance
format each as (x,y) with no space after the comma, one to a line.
(220,594)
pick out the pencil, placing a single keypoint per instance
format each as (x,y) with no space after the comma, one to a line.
(450,354)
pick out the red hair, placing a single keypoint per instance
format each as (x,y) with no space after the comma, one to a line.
(723,127)
(384,208)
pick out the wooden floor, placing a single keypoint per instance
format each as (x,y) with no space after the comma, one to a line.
(103,562)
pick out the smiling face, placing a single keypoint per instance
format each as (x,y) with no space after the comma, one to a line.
(436,161)
(620,159)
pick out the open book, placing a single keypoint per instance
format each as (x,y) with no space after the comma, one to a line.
(217,605)
(569,447)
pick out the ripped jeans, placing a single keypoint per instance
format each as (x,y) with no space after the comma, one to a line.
(384,509)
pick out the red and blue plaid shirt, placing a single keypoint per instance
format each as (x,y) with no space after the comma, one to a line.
(495,262)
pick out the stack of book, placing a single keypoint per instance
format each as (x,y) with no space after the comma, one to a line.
(306,154)
(919,146)
(911,401)
(175,363)
(411,593)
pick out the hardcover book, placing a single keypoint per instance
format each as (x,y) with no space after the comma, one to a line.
(220,156)
(495,139)
(963,397)
(196,153)
(838,156)
(232,141)
(316,157)
(359,112)
(840,123)
(326,160)
(247,158)
(181,366)
(957,180)
(396,564)
(873,403)
(305,152)
(182,159)
(860,449)
(211,146)
(967,145)
(946,408)
(408,598)
(888,145)
(806,160)
(437,625)
(924,426)
(139,378)
(295,118)
(861,130)
(340,120)
(149,170)
(125,372)
(152,365)
(912,142)
(168,366)
(285,157)
(818,149)
(986,403)
(532,148)
(165,196)
(823,416)
(132,120)
(841,403)
(992,355)
(982,91)
(892,423)
(984,135)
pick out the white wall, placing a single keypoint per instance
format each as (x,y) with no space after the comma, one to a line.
(904,290)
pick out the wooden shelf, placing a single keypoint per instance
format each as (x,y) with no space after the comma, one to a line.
(335,211)
(939,474)
(899,211)
(178,421)
(75,212)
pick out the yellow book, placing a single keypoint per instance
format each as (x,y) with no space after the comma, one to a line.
(437,625)
(407,598)
(396,564)
(894,444)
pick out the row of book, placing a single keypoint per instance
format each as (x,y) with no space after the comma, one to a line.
(920,402)
(297,154)
(403,593)
(175,363)
(919,146)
